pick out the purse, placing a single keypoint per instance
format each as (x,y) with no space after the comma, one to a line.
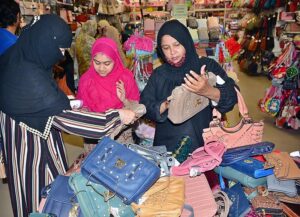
(288,187)
(61,200)
(164,199)
(160,158)
(185,104)
(284,165)
(240,204)
(247,132)
(240,153)
(235,175)
(268,204)
(202,159)
(120,169)
(96,200)
(199,196)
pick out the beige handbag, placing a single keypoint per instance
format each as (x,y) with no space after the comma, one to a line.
(29,8)
(185,104)
(164,199)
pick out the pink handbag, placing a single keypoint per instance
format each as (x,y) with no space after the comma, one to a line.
(202,159)
(246,132)
(199,196)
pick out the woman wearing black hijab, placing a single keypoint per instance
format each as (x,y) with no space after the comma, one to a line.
(176,48)
(33,111)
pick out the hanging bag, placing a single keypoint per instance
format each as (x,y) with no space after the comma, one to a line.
(245,133)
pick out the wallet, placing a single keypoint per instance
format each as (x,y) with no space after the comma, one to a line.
(252,167)
(288,187)
(237,176)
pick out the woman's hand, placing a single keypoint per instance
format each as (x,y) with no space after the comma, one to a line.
(121,93)
(199,84)
(127,116)
(164,106)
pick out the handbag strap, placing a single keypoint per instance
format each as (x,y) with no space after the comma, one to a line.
(241,104)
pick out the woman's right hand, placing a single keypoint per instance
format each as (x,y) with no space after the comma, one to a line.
(127,116)
(164,106)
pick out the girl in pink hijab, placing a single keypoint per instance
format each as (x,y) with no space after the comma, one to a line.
(107,84)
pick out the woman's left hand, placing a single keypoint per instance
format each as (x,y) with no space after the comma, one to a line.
(197,83)
(121,93)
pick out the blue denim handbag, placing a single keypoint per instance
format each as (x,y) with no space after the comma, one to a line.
(61,199)
(120,170)
(96,200)
(240,204)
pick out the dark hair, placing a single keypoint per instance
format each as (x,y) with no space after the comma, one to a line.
(9,10)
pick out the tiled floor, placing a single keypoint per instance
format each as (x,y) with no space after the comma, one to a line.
(252,89)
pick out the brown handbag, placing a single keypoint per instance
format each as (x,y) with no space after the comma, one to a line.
(164,199)
(268,204)
(253,43)
(185,104)
(284,165)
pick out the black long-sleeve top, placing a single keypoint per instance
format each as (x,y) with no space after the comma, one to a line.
(160,86)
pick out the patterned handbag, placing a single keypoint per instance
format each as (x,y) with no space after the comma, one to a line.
(202,159)
(164,199)
(120,169)
(247,131)
(199,195)
(96,200)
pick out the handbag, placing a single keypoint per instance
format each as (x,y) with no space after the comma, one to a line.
(240,204)
(185,104)
(237,176)
(96,200)
(160,158)
(61,200)
(120,169)
(246,132)
(29,8)
(268,204)
(284,165)
(240,153)
(164,199)
(199,196)
(202,159)
(288,187)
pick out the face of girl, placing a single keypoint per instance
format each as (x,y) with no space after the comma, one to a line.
(103,64)
(172,49)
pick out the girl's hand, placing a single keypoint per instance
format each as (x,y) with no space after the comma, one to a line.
(121,93)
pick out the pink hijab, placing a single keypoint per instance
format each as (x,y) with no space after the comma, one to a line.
(100,93)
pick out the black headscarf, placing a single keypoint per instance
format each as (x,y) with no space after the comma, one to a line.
(178,31)
(28,92)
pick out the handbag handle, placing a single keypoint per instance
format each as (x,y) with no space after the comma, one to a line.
(241,104)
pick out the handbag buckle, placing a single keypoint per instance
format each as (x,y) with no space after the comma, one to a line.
(120,163)
(194,171)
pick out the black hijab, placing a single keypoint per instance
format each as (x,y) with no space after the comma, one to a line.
(178,31)
(28,92)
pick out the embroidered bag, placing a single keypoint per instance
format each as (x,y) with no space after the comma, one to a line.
(245,133)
